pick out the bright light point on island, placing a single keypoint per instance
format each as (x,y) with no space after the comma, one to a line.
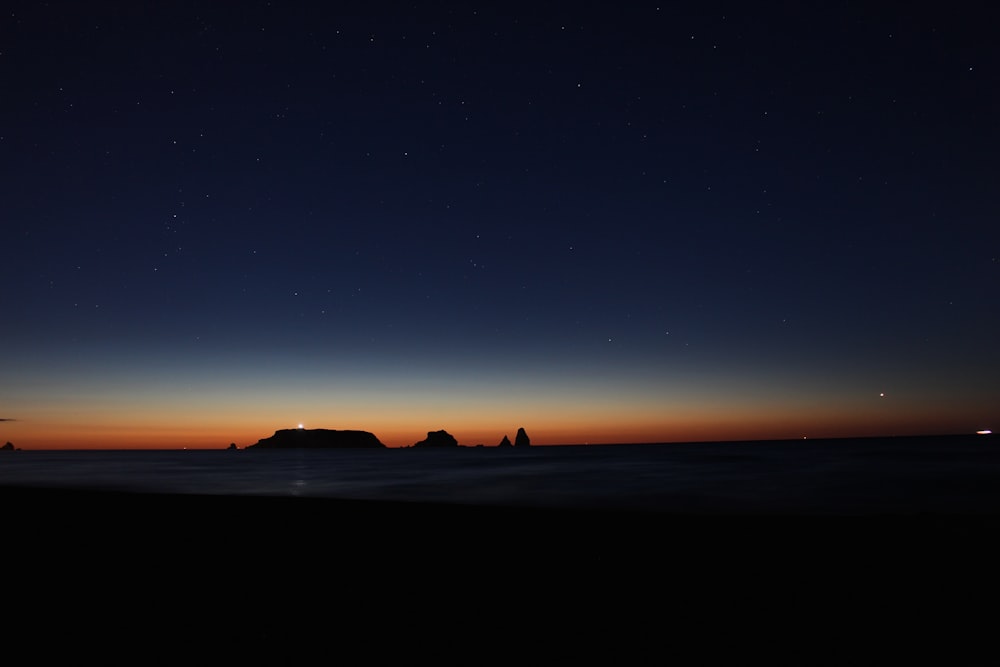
(881,394)
(985,431)
(300,426)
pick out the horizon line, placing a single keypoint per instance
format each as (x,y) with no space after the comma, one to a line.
(974,434)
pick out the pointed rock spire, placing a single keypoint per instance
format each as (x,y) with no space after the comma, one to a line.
(521,439)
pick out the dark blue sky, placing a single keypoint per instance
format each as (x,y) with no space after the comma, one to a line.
(673,221)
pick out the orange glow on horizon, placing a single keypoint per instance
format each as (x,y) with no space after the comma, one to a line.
(26,435)
(213,421)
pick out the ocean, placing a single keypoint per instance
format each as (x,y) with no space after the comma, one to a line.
(933,474)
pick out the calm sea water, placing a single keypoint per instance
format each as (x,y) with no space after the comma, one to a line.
(929,474)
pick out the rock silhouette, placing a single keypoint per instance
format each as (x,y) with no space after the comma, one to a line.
(438,439)
(521,439)
(505,442)
(318,438)
(9,447)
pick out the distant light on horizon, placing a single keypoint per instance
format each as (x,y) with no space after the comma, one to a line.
(301,427)
(985,431)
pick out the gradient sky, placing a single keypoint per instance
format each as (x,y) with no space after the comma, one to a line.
(660,222)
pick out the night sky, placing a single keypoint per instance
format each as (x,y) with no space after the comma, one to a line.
(658,222)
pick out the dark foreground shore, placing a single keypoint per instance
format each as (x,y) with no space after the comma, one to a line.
(221,577)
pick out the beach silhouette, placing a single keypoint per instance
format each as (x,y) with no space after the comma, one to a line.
(705,582)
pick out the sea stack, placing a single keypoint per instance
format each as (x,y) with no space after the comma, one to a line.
(318,438)
(438,439)
(505,442)
(522,439)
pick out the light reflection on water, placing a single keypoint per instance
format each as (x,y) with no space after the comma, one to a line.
(937,474)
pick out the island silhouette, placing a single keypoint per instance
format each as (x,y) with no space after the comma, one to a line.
(322,438)
(521,439)
(438,439)
(318,438)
